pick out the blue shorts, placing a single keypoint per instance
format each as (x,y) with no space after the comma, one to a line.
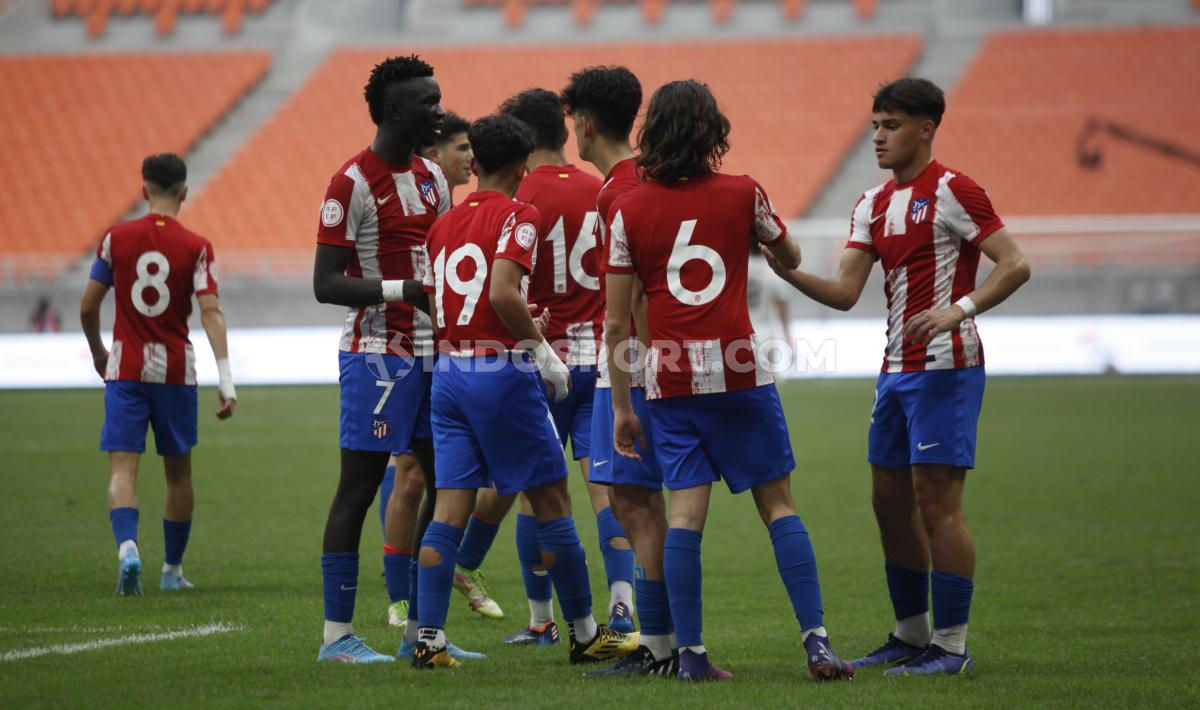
(573,415)
(492,425)
(739,436)
(610,468)
(926,417)
(129,406)
(384,400)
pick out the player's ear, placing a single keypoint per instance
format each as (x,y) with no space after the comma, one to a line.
(183,193)
(145,193)
(474,167)
(928,129)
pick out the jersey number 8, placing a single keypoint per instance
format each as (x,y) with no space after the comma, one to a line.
(157,281)
(445,273)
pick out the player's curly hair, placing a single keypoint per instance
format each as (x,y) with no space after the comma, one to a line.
(164,172)
(610,96)
(542,111)
(390,71)
(685,134)
(499,142)
(916,97)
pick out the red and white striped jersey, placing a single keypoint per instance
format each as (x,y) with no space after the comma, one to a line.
(383,212)
(157,266)
(689,243)
(565,280)
(621,178)
(926,233)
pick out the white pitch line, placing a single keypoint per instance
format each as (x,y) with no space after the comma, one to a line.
(68,648)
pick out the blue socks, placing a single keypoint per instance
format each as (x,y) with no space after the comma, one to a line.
(435,582)
(529,552)
(653,611)
(175,540)
(476,542)
(798,569)
(340,572)
(385,494)
(951,599)
(908,589)
(396,570)
(412,588)
(124,524)
(618,564)
(681,563)
(569,571)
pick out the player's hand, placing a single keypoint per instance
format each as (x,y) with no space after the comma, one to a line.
(554,372)
(627,431)
(100,363)
(225,411)
(543,321)
(925,325)
(777,267)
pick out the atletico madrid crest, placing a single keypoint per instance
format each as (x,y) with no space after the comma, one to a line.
(428,191)
(919,210)
(380,427)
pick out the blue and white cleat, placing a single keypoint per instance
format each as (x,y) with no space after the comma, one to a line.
(129,576)
(892,652)
(621,618)
(823,663)
(934,660)
(408,649)
(351,649)
(544,635)
(171,582)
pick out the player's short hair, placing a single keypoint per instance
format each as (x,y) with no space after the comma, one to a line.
(610,96)
(392,70)
(452,125)
(916,97)
(685,133)
(499,142)
(542,111)
(164,172)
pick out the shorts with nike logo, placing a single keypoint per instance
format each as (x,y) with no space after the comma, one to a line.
(610,468)
(928,417)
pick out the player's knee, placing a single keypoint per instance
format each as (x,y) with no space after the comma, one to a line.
(429,557)
(410,489)
(619,543)
(548,560)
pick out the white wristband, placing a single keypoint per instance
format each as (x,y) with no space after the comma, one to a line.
(393,290)
(225,379)
(967,305)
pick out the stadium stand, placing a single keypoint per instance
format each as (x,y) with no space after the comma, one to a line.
(1017,119)
(96,13)
(514,11)
(93,118)
(796,106)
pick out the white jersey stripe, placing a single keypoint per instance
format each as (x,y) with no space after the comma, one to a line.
(154,362)
(946,247)
(897,282)
(708,366)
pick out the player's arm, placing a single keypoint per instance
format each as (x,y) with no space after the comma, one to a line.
(508,303)
(640,307)
(627,428)
(332,285)
(213,320)
(1011,271)
(89,319)
(840,292)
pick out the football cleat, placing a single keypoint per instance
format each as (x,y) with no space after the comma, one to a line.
(398,614)
(892,652)
(605,645)
(351,649)
(621,618)
(129,576)
(823,663)
(544,635)
(934,660)
(640,662)
(171,582)
(408,649)
(474,587)
(425,657)
(696,667)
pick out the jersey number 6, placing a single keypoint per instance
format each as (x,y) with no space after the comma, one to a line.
(684,251)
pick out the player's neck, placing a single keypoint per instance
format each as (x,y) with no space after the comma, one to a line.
(504,184)
(390,148)
(544,156)
(909,172)
(168,208)
(606,154)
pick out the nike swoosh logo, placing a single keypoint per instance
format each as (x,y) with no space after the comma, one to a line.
(922,447)
(597,464)
(877,217)
(380,200)
(349,589)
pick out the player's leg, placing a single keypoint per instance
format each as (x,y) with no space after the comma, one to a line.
(385,493)
(177,520)
(127,410)
(400,525)
(435,561)
(423,453)
(539,591)
(684,580)
(490,509)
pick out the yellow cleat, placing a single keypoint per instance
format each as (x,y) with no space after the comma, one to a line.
(425,657)
(605,646)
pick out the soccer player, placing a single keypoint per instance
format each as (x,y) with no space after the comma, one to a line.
(603,103)
(156,265)
(377,211)
(452,150)
(714,410)
(491,419)
(927,226)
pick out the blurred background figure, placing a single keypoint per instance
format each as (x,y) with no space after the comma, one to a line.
(45,318)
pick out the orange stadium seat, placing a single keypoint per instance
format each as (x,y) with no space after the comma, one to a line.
(1013,121)
(96,13)
(797,107)
(113,123)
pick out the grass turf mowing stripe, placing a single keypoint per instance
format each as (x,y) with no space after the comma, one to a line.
(68,648)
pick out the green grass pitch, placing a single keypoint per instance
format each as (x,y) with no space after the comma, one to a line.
(1085,510)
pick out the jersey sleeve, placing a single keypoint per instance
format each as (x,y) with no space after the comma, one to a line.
(427,281)
(971,215)
(102,271)
(620,258)
(340,213)
(443,188)
(204,276)
(769,229)
(519,237)
(860,226)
